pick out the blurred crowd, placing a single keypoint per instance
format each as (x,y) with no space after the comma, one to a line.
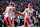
(20,6)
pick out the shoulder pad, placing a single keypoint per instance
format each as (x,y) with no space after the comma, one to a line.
(33,9)
(7,7)
(26,9)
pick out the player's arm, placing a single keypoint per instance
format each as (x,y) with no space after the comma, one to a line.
(33,15)
(6,10)
(33,18)
(17,12)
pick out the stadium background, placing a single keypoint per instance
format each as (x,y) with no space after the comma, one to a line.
(20,6)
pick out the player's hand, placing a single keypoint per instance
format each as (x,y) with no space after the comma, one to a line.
(8,26)
(34,19)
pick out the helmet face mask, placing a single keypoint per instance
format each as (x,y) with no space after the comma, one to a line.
(29,5)
(11,4)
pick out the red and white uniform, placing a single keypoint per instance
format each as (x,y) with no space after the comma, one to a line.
(28,13)
(10,16)
(9,12)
